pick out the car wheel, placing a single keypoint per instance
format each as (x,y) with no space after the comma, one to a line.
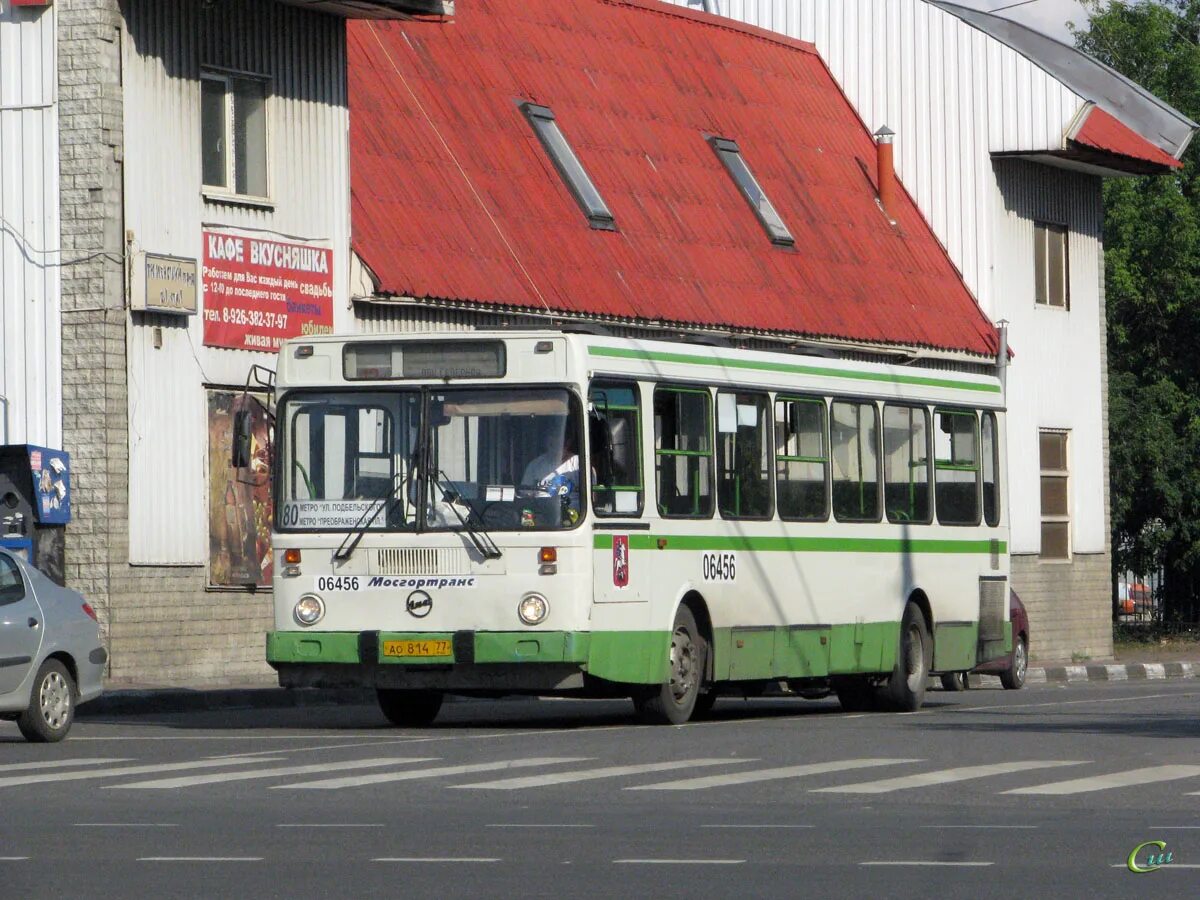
(1013,678)
(904,690)
(409,709)
(954,681)
(674,701)
(51,708)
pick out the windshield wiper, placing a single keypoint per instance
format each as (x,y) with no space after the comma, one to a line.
(369,515)
(479,537)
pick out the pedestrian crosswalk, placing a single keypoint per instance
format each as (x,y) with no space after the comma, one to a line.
(706,776)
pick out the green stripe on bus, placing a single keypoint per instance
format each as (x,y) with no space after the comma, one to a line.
(789,368)
(803,544)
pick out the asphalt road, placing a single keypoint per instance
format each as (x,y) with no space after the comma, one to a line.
(1040,792)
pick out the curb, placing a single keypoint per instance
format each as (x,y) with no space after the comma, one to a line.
(1119,672)
(175,700)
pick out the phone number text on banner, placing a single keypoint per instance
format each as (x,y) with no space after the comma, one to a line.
(260,290)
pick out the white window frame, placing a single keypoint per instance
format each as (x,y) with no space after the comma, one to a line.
(1065,475)
(228,191)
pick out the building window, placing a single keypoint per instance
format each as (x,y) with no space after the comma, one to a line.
(1056,506)
(233,133)
(569,166)
(1051,265)
(729,154)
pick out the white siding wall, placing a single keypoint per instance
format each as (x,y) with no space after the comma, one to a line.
(1055,380)
(30,324)
(165,45)
(955,96)
(952,94)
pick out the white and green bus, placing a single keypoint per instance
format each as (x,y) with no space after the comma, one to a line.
(493,513)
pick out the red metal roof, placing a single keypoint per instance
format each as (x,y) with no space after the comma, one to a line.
(455,199)
(1102,131)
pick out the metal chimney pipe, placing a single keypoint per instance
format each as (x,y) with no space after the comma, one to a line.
(1002,352)
(885,171)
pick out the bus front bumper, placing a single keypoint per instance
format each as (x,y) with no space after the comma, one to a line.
(461,660)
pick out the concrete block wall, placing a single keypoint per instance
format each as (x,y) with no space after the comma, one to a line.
(160,624)
(1069,606)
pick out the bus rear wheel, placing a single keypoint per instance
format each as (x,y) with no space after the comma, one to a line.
(409,709)
(905,688)
(674,701)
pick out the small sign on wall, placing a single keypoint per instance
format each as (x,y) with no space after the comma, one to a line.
(164,284)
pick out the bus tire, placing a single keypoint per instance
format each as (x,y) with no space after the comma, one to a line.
(704,704)
(855,693)
(674,701)
(409,709)
(905,688)
(954,681)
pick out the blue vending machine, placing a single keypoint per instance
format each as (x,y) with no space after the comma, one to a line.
(35,505)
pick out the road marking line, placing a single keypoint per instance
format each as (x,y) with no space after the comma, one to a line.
(356,745)
(1031,827)
(13,858)
(222,777)
(134,770)
(438,772)
(331,825)
(512,784)
(534,825)
(732,778)
(758,826)
(203,859)
(943,776)
(126,825)
(1129,778)
(437,859)
(1173,827)
(923,862)
(679,862)
(62,764)
(1161,868)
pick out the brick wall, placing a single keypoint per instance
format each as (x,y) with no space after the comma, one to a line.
(1070,613)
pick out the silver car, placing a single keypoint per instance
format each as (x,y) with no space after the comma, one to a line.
(51,657)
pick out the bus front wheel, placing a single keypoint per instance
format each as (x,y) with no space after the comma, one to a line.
(674,701)
(409,709)
(904,690)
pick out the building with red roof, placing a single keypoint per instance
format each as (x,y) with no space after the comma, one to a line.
(458,205)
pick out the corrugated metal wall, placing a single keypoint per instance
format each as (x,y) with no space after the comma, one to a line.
(30,323)
(1055,378)
(952,94)
(166,43)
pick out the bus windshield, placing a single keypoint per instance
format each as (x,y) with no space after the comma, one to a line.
(497,459)
(344,454)
(511,457)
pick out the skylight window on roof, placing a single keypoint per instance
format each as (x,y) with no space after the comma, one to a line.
(729,154)
(569,166)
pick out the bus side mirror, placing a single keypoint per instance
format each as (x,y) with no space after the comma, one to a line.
(242,425)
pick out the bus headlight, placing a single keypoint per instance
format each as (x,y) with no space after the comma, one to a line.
(533,609)
(309,610)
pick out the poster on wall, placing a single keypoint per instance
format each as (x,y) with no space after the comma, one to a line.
(239,513)
(261,289)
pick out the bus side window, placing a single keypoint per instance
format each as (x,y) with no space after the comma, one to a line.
(956,464)
(683,452)
(743,456)
(801,460)
(906,464)
(615,433)
(991,466)
(854,435)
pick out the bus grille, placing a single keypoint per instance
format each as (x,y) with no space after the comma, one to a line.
(418,561)
(993,599)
